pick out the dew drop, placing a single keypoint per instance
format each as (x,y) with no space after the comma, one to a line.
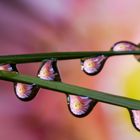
(25,92)
(49,71)
(124,46)
(135,118)
(93,66)
(80,106)
(7,67)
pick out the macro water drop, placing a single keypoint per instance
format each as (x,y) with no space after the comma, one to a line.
(80,106)
(7,67)
(25,92)
(49,71)
(94,65)
(135,118)
(124,46)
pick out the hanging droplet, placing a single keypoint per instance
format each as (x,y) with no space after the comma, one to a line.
(135,118)
(25,92)
(93,66)
(80,106)
(49,71)
(7,67)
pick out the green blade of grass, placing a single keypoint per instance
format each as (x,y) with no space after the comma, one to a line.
(30,58)
(71,89)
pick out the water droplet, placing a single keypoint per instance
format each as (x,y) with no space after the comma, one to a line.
(25,92)
(7,67)
(135,118)
(80,106)
(93,66)
(49,71)
(124,46)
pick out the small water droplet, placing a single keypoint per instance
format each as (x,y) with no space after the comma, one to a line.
(25,92)
(49,71)
(93,66)
(135,118)
(80,106)
(7,67)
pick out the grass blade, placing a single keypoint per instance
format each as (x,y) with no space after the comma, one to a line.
(71,89)
(30,58)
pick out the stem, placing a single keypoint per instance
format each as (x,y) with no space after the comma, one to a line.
(30,58)
(71,89)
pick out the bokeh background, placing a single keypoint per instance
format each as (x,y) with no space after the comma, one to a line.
(28,26)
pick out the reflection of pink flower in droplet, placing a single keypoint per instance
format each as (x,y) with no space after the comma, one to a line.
(6,67)
(124,46)
(79,105)
(93,65)
(47,72)
(135,117)
(23,90)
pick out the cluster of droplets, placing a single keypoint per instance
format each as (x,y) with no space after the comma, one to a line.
(92,66)
(79,106)
(47,71)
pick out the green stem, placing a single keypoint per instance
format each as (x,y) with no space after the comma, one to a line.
(71,89)
(30,58)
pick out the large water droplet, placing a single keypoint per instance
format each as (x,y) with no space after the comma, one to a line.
(80,106)
(25,92)
(135,118)
(93,66)
(124,46)
(49,71)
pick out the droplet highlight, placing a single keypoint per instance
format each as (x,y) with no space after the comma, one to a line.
(135,118)
(49,71)
(93,66)
(80,106)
